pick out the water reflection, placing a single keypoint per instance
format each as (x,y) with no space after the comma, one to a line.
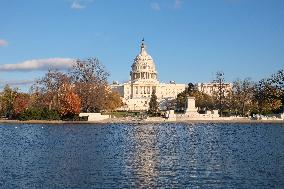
(142,156)
(141,160)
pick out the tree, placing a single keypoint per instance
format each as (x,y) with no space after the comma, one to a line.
(20,104)
(113,101)
(219,95)
(242,93)
(181,97)
(202,100)
(90,80)
(267,98)
(70,103)
(7,101)
(47,89)
(181,100)
(171,104)
(153,104)
(277,80)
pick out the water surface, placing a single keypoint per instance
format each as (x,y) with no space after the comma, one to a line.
(142,156)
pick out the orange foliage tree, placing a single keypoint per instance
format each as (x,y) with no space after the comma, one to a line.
(69,103)
(21,103)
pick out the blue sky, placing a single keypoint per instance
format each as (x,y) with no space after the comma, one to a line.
(190,40)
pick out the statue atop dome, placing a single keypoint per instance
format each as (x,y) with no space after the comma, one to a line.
(142,44)
(143,48)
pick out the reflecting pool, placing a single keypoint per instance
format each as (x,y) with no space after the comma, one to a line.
(166,155)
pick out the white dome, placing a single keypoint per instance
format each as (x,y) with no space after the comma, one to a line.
(143,67)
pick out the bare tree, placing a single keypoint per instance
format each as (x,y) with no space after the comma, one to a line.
(242,96)
(220,93)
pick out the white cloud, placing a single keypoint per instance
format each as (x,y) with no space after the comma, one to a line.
(80,4)
(77,5)
(16,82)
(155,6)
(39,64)
(177,4)
(3,42)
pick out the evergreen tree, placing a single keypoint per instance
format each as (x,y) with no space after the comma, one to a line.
(153,104)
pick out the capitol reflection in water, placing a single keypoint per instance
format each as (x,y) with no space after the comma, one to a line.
(142,156)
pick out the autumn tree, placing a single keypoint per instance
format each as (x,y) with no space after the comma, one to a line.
(69,102)
(113,101)
(7,101)
(89,77)
(46,90)
(21,102)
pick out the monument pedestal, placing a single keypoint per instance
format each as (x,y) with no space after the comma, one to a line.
(190,106)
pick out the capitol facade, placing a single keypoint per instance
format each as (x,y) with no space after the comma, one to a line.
(136,93)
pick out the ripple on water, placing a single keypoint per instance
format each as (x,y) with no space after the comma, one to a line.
(167,155)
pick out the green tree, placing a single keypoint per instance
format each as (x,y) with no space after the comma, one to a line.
(153,104)
(203,101)
(181,101)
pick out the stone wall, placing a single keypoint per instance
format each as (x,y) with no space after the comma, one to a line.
(94,116)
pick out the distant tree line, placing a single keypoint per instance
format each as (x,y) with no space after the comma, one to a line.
(59,95)
(246,97)
(84,88)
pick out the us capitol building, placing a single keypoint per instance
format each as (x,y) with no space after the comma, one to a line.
(136,93)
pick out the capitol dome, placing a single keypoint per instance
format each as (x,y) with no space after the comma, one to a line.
(143,68)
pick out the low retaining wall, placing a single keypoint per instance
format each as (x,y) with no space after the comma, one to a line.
(94,116)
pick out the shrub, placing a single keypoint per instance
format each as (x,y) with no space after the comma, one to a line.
(39,114)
